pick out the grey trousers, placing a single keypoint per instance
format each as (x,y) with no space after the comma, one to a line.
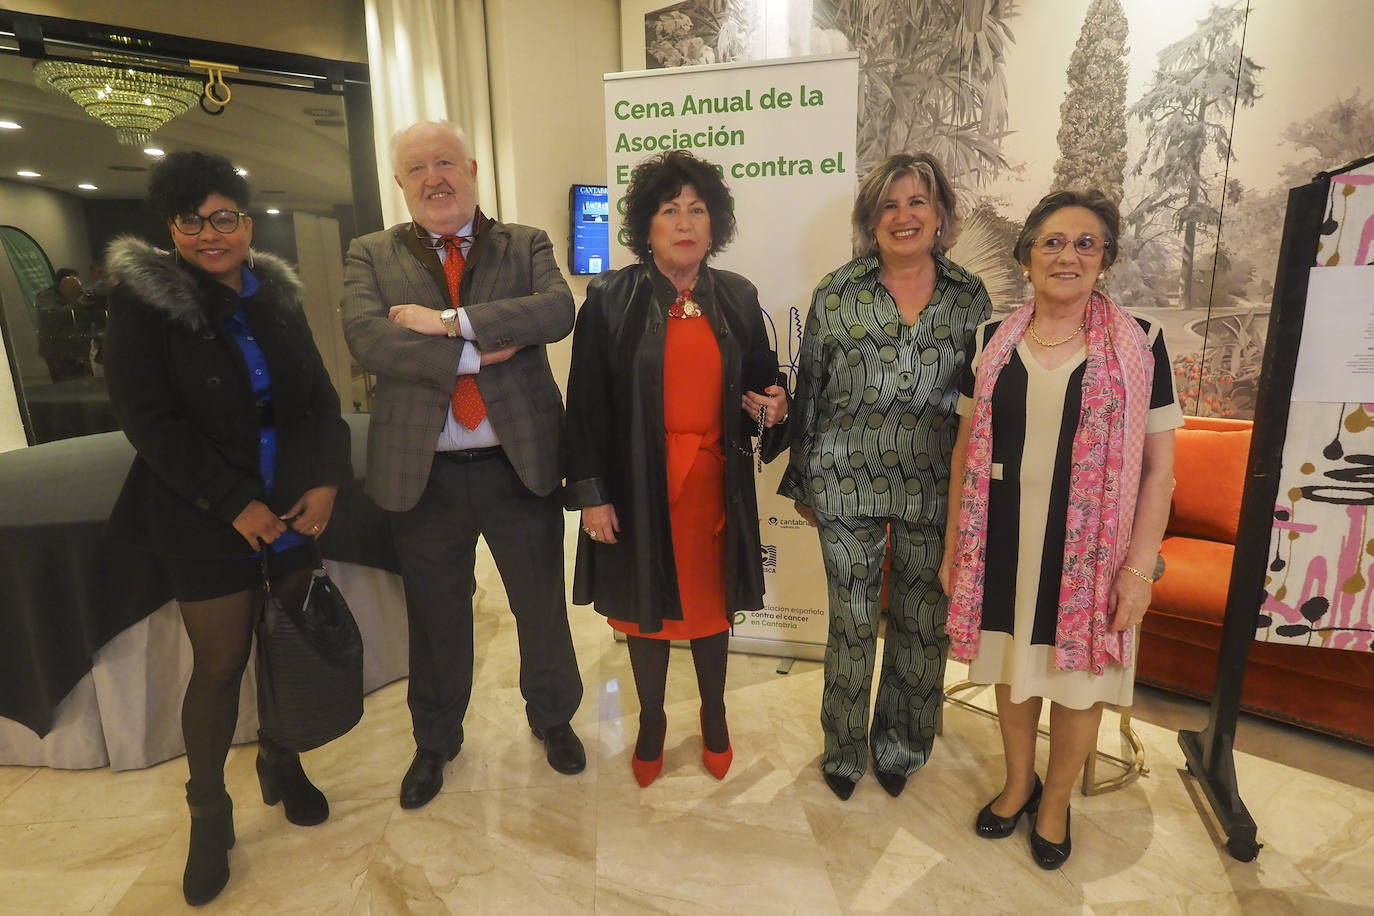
(437,544)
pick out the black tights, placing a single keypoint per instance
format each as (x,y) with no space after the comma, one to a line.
(221,633)
(649,661)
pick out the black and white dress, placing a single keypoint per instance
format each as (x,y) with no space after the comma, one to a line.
(1034,416)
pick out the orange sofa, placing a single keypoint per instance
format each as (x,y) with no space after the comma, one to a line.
(1326,690)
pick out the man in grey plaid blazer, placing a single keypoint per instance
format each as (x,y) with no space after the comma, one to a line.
(445,474)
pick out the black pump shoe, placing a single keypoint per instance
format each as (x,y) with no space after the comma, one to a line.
(1047,855)
(212,836)
(994,827)
(839,785)
(282,780)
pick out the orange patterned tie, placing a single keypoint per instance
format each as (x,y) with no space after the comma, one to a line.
(468,407)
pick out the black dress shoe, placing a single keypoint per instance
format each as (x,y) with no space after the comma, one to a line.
(839,785)
(563,748)
(993,826)
(425,777)
(282,779)
(1047,855)
(893,783)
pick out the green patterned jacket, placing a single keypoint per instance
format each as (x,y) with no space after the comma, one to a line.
(874,409)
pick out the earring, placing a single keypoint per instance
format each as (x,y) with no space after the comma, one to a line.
(1025,275)
(938,230)
(1101,276)
(250,259)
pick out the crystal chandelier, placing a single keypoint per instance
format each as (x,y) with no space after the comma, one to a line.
(134,102)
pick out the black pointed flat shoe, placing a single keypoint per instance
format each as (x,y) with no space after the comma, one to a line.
(1047,855)
(892,783)
(994,827)
(839,785)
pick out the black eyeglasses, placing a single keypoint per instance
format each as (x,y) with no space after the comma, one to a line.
(224,221)
(1086,245)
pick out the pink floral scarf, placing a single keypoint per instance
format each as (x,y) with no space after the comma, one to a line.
(1108,447)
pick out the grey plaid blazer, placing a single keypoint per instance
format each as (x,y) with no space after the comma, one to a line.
(514,295)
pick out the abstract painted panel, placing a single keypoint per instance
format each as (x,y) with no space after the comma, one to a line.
(1317,591)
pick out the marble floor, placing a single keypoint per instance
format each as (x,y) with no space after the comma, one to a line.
(509,835)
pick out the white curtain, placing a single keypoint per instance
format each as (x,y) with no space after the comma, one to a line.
(428,61)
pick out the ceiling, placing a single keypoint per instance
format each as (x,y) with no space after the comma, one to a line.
(293,143)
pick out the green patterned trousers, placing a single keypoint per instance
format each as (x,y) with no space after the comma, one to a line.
(911,686)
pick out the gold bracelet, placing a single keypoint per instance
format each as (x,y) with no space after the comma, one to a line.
(1137,573)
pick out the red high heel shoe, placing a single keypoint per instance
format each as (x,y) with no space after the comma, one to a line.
(717,763)
(646,771)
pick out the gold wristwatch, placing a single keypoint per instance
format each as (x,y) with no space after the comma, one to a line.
(450,319)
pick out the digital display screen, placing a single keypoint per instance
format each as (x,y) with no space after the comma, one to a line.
(589,208)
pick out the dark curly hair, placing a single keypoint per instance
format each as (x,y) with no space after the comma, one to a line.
(661,178)
(181,182)
(1101,206)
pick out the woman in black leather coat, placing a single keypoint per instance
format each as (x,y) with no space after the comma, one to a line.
(660,461)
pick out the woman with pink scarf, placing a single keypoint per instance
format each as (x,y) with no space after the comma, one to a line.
(1066,456)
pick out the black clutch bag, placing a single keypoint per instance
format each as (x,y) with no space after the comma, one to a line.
(309,665)
(759,369)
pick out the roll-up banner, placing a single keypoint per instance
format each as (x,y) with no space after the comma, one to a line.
(782,134)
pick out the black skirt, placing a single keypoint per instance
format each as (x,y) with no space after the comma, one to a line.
(204,579)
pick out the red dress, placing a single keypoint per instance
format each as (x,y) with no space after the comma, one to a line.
(692,394)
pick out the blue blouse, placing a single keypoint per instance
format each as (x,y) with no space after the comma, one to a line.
(261,380)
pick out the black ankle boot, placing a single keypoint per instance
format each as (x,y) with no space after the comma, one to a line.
(212,836)
(282,780)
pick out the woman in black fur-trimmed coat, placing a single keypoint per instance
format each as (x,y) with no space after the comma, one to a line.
(218,385)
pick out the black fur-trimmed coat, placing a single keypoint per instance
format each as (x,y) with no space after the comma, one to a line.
(180,387)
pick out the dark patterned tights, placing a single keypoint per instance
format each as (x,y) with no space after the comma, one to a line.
(649,661)
(221,633)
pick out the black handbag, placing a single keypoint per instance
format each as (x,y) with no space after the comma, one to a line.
(309,665)
(758,372)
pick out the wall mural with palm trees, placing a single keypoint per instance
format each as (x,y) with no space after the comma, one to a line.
(1196,115)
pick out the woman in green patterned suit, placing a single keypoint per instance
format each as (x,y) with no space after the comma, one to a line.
(877,387)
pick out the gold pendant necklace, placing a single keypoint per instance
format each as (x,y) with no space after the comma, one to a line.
(1054,343)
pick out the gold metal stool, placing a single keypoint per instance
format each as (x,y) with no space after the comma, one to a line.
(1131,769)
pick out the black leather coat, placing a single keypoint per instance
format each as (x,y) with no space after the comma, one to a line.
(180,387)
(616,449)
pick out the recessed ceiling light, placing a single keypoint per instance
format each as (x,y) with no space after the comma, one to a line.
(11,125)
(241,171)
(87,186)
(154,151)
(25,173)
(272,211)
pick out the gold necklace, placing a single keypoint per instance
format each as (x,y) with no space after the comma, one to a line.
(1054,343)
